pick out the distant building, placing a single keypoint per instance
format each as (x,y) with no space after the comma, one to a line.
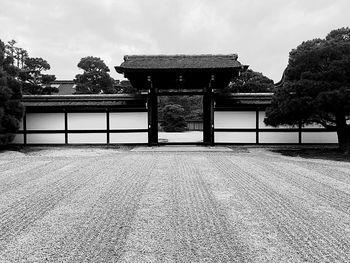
(65,87)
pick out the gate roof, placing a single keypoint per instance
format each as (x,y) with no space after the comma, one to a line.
(178,62)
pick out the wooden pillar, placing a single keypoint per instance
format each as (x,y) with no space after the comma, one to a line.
(208,114)
(107,126)
(257,124)
(25,128)
(300,133)
(152,104)
(65,126)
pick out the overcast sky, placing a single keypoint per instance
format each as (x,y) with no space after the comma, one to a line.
(261,32)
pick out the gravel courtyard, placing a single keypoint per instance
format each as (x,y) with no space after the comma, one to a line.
(159,205)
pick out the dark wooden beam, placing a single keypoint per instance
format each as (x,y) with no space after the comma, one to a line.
(107,125)
(152,104)
(208,113)
(25,128)
(257,124)
(65,126)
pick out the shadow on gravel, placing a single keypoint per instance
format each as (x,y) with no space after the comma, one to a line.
(21,149)
(34,149)
(315,153)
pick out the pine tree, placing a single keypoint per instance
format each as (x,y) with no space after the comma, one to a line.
(11,108)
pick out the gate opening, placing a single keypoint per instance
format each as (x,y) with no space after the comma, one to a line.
(180,119)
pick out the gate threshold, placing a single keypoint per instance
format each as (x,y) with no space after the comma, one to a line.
(182,148)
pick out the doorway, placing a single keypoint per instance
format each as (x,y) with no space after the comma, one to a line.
(180,118)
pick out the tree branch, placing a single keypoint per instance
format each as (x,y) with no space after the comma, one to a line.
(327,126)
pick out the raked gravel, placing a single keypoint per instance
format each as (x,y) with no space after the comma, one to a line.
(192,205)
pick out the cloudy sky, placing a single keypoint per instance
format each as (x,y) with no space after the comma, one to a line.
(261,32)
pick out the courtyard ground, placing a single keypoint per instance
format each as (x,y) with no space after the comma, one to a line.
(187,204)
(188,136)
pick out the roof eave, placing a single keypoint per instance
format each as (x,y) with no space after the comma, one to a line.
(122,70)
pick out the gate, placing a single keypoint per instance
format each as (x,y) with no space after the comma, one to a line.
(181,75)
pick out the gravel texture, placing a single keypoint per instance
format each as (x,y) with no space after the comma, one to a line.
(117,205)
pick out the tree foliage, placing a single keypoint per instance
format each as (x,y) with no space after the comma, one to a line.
(250,81)
(317,86)
(192,105)
(173,118)
(124,87)
(95,78)
(16,54)
(34,81)
(11,108)
(29,71)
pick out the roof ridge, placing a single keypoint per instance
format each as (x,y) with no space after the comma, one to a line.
(234,56)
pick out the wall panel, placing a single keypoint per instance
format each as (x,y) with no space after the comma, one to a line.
(262,125)
(235,137)
(87,121)
(128,120)
(136,137)
(19,139)
(21,125)
(278,137)
(87,138)
(45,121)
(319,137)
(234,119)
(45,138)
(313,125)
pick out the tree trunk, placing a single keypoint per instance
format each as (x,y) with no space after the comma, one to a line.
(343,132)
(344,140)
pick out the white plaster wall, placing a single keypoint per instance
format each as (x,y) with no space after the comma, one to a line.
(278,137)
(235,137)
(87,121)
(262,125)
(21,125)
(234,119)
(88,138)
(45,121)
(45,138)
(139,137)
(313,125)
(19,139)
(128,120)
(319,137)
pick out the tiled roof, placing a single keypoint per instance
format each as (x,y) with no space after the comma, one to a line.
(179,62)
(81,100)
(66,89)
(127,100)
(63,81)
(248,98)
